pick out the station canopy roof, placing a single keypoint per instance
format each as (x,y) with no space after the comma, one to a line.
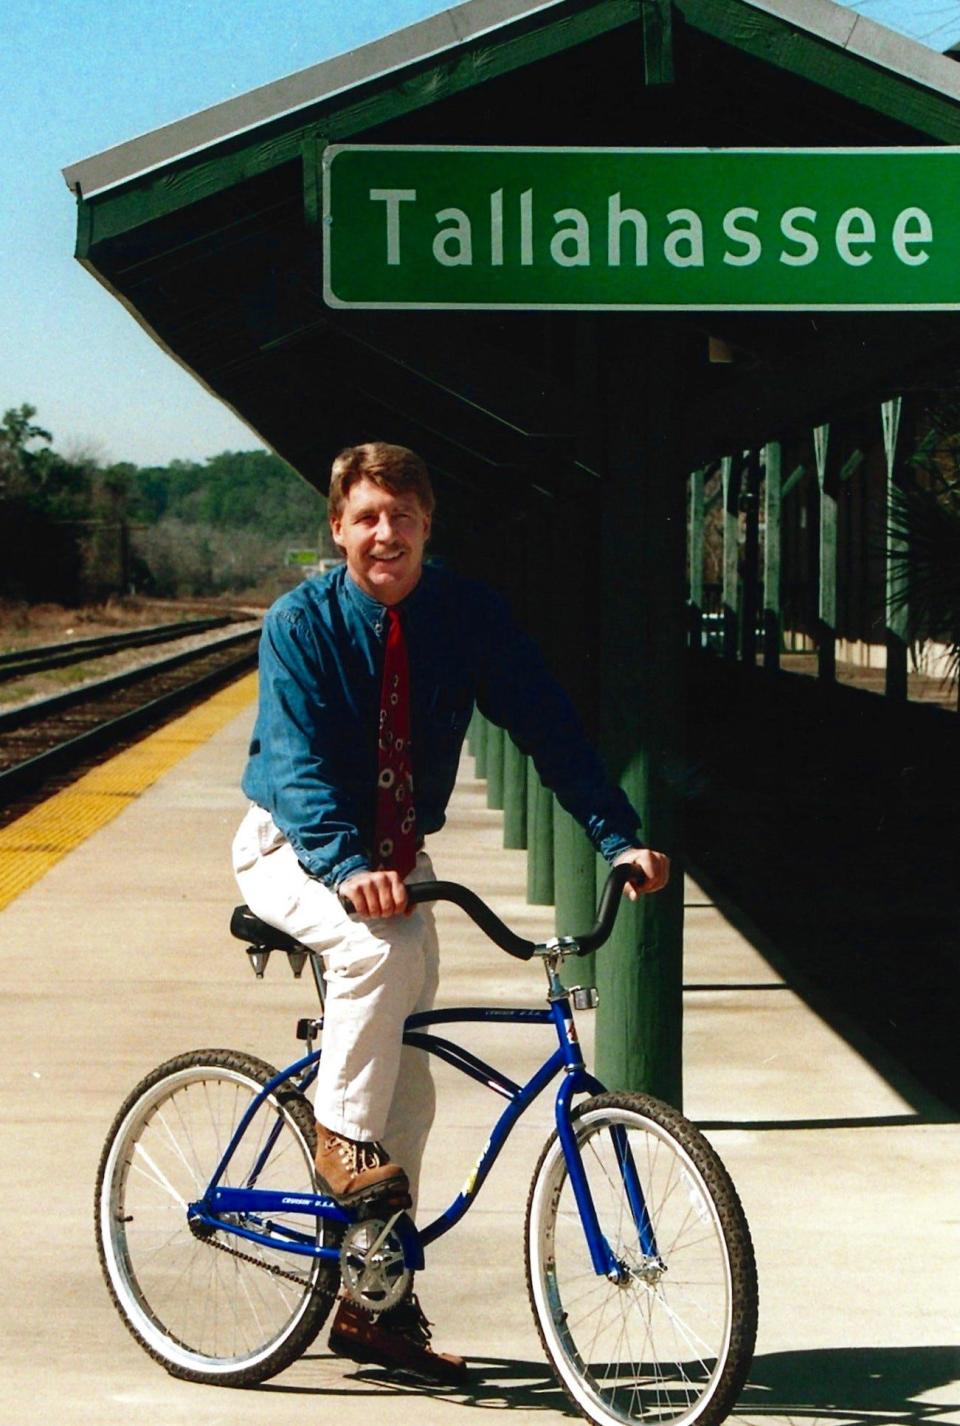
(209,231)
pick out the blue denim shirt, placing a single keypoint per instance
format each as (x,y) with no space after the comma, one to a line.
(313,756)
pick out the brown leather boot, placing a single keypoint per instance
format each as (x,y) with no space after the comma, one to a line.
(398,1340)
(353,1171)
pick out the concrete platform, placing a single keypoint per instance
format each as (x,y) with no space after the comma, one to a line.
(120,957)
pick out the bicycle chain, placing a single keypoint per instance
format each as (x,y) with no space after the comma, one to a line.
(273,1269)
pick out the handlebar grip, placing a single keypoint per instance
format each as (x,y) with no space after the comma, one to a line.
(478,911)
(501,935)
(608,908)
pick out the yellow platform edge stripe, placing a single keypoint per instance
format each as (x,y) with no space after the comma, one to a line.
(35,842)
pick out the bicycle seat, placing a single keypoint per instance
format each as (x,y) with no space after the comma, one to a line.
(247,927)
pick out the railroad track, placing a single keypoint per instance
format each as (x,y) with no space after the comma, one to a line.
(21,662)
(50,741)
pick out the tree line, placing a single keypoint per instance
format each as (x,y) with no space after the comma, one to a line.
(75,530)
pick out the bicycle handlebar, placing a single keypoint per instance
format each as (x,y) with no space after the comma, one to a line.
(490,923)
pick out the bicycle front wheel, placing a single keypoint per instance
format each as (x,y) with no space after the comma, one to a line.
(671,1340)
(209,1305)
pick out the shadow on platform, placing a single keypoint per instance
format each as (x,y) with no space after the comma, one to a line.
(822,820)
(860,1385)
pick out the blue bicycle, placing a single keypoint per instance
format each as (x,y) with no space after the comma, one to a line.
(224,1261)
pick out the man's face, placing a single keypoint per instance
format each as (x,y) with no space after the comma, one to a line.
(382,537)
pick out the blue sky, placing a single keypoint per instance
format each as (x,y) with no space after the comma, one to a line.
(80,75)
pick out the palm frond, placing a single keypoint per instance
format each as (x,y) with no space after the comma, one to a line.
(923,553)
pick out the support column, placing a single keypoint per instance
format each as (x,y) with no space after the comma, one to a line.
(730,479)
(642,572)
(574,888)
(479,746)
(896,605)
(751,560)
(827,601)
(539,840)
(495,740)
(771,556)
(514,795)
(695,533)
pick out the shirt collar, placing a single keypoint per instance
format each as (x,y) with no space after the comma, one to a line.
(370,609)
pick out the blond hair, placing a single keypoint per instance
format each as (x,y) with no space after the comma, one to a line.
(392,468)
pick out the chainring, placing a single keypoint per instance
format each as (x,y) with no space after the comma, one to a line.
(372,1264)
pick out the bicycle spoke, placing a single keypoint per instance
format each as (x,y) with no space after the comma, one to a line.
(211,1304)
(652,1345)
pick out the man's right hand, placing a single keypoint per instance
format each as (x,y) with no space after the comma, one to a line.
(374,893)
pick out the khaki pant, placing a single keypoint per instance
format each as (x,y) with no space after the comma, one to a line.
(377,973)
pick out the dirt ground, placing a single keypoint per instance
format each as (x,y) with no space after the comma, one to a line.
(26,625)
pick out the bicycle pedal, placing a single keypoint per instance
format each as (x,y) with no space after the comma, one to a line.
(383,1205)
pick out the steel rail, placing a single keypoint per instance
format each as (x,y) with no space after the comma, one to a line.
(41,709)
(19,663)
(26,776)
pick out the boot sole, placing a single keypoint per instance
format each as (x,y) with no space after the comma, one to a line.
(370,1357)
(393,1193)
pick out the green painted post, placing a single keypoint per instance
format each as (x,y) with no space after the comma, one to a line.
(897,610)
(656,17)
(496,738)
(730,477)
(480,745)
(827,601)
(771,555)
(643,587)
(695,536)
(751,559)
(539,840)
(574,889)
(514,795)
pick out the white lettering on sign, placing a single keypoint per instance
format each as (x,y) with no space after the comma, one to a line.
(616,217)
(808,243)
(393,197)
(913,225)
(526,228)
(496,228)
(628,234)
(751,243)
(684,244)
(570,247)
(855,227)
(453,246)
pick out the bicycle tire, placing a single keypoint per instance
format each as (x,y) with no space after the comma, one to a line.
(670,1346)
(209,1307)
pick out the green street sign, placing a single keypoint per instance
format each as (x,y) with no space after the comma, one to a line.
(641,229)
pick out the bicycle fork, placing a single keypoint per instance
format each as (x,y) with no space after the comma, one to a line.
(577,1080)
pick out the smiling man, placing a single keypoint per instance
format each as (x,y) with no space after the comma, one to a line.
(368,678)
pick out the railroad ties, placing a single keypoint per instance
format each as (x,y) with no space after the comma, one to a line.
(47,743)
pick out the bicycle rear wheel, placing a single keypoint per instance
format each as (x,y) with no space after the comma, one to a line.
(210,1306)
(672,1340)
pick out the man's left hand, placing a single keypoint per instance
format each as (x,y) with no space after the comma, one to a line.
(655,867)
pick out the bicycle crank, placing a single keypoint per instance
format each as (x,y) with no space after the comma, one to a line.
(372,1264)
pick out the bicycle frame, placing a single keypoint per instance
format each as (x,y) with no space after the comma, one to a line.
(222,1207)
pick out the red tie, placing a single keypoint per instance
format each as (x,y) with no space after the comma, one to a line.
(395,836)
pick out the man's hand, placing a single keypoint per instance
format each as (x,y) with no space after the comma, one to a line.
(654,865)
(375,893)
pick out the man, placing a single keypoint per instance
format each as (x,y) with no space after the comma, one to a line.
(368,678)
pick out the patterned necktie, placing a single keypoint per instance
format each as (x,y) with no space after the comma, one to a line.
(395,837)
